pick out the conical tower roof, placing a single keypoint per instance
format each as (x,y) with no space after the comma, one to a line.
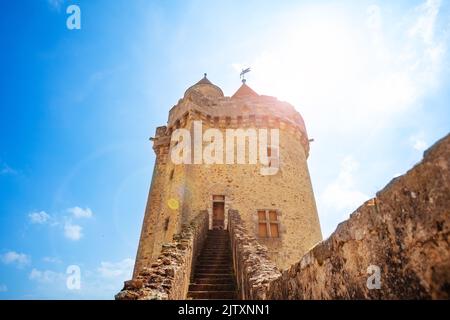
(244,91)
(205,87)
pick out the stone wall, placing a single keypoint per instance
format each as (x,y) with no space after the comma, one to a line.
(404,231)
(168,277)
(253,268)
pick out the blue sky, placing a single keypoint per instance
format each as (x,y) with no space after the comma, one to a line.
(371,79)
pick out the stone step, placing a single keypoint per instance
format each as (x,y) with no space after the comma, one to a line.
(218,260)
(213,243)
(214,256)
(221,245)
(218,280)
(213,265)
(213,253)
(218,255)
(212,287)
(207,273)
(213,270)
(213,275)
(218,247)
(212,294)
(221,262)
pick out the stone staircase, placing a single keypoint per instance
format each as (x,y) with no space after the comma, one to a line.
(213,273)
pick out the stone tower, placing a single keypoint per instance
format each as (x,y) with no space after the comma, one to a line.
(279,208)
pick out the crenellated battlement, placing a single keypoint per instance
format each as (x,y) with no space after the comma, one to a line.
(261,112)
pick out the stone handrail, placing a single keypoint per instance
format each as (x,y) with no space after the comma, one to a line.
(253,268)
(169,275)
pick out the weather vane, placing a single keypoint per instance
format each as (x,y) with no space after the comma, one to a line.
(243,72)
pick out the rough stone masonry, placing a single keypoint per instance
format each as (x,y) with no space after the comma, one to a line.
(404,231)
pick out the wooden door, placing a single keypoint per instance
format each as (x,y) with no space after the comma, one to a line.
(218,215)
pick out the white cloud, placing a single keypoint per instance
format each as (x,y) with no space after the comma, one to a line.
(55,4)
(237,67)
(51,260)
(46,276)
(78,212)
(360,75)
(40,217)
(425,24)
(12,257)
(6,170)
(418,142)
(374,20)
(341,194)
(73,231)
(420,145)
(3,288)
(121,269)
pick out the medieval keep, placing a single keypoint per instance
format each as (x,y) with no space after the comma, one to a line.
(279,208)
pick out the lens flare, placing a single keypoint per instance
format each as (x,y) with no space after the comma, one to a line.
(173,204)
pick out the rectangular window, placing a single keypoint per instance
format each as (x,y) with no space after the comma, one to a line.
(274,230)
(262,215)
(268,224)
(272,215)
(262,230)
